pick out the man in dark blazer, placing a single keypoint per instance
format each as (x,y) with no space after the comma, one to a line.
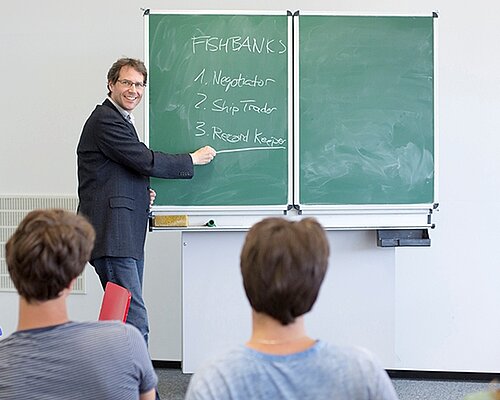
(114,167)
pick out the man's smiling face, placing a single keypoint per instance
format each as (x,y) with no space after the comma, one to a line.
(126,96)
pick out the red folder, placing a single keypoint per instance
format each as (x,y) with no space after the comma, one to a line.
(115,303)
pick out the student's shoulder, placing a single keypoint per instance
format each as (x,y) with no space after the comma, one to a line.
(229,360)
(112,332)
(91,324)
(102,328)
(345,350)
(353,356)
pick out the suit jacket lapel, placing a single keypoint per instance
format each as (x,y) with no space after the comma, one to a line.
(131,126)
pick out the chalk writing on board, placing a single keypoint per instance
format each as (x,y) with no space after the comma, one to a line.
(245,105)
(250,149)
(223,81)
(228,82)
(209,43)
(216,133)
(233,107)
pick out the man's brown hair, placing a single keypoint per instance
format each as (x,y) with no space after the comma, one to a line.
(283,264)
(114,71)
(47,251)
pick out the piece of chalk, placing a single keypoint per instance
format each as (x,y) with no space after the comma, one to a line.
(170,220)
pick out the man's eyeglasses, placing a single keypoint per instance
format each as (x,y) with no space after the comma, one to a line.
(129,84)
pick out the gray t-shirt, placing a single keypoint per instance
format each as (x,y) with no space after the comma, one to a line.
(321,372)
(77,361)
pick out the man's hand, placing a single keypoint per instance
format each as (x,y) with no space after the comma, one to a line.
(203,155)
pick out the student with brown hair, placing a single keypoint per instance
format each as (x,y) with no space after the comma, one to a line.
(49,356)
(283,264)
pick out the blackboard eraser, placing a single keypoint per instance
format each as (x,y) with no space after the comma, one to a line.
(177,221)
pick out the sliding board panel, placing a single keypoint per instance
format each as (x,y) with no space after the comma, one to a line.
(221,80)
(365,115)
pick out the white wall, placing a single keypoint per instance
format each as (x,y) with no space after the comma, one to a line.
(55,56)
(449,295)
(355,305)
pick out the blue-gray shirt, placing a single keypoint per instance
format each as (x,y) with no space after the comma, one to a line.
(321,372)
(78,361)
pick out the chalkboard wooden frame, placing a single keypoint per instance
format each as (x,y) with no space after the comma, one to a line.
(239,210)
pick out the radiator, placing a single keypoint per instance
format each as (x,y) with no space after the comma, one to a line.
(13,208)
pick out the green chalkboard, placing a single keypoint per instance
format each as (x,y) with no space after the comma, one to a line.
(366,110)
(221,80)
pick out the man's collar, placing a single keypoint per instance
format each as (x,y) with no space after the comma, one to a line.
(123,112)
